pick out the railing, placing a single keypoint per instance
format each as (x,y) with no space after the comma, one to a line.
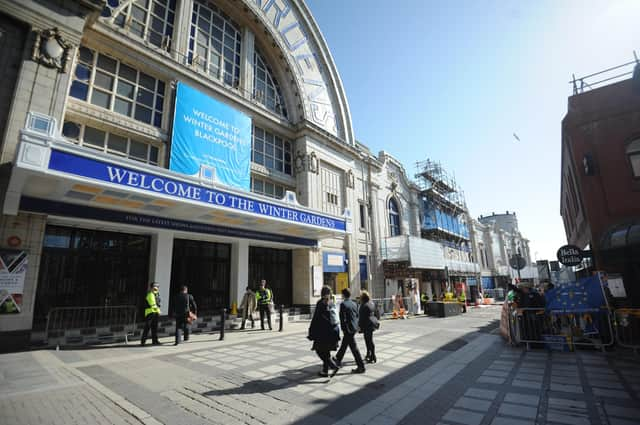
(627,325)
(609,75)
(561,330)
(119,319)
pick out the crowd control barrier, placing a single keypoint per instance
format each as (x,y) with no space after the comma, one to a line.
(102,322)
(627,324)
(559,330)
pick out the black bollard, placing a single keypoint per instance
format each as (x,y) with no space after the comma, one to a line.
(224,313)
(281,316)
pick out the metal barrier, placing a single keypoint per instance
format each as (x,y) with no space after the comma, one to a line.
(497,294)
(385,306)
(627,325)
(119,319)
(561,330)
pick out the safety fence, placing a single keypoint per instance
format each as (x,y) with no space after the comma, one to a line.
(73,324)
(387,306)
(497,294)
(559,330)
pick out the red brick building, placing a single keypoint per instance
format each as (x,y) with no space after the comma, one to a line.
(600,187)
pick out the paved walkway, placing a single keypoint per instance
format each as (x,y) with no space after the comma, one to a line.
(429,371)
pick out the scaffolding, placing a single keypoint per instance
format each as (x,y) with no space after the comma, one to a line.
(443,204)
(436,184)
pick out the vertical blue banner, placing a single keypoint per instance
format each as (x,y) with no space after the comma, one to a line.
(207,133)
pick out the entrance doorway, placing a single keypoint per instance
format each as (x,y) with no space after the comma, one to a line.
(205,268)
(82,268)
(273,265)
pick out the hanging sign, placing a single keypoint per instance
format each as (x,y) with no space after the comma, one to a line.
(569,255)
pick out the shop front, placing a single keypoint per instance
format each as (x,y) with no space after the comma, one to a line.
(112,226)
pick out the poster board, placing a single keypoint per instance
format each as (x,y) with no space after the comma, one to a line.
(316,280)
(13,269)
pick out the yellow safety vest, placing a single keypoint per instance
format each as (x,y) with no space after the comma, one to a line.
(152,307)
(266,299)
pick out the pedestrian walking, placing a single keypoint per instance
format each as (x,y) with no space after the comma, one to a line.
(184,310)
(349,325)
(248,306)
(151,314)
(264,297)
(368,322)
(324,331)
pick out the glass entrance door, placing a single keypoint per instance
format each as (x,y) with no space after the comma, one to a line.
(205,268)
(82,268)
(273,265)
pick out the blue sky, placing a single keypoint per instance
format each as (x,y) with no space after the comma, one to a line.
(452,81)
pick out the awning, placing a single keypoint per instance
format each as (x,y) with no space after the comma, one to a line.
(54,176)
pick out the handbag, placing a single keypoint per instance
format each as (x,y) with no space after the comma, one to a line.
(191,316)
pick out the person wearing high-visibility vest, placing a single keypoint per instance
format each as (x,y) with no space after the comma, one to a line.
(424,299)
(264,296)
(463,299)
(151,315)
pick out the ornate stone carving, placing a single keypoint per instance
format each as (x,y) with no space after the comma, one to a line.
(304,162)
(351,180)
(51,50)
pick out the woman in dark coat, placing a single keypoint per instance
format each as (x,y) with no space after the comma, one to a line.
(368,322)
(324,331)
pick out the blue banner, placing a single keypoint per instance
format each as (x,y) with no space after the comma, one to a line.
(208,134)
(130,178)
(585,295)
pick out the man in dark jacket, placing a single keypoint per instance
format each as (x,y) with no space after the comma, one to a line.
(349,325)
(183,303)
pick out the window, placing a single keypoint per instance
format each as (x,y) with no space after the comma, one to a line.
(363,219)
(267,188)
(265,87)
(110,84)
(394,218)
(111,143)
(633,152)
(151,20)
(271,151)
(214,43)
(331,190)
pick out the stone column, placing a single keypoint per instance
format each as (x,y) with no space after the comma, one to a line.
(246,63)
(239,270)
(160,260)
(180,42)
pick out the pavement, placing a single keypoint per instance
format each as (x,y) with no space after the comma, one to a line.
(454,371)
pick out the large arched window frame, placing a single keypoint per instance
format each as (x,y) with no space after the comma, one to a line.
(394,217)
(266,89)
(633,153)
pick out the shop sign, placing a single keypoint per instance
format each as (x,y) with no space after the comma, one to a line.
(13,268)
(210,139)
(569,255)
(130,178)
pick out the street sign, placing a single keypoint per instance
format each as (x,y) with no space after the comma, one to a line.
(517,262)
(569,255)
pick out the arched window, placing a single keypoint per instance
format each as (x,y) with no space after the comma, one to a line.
(633,152)
(265,87)
(394,217)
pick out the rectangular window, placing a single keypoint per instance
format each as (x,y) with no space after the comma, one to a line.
(151,20)
(363,220)
(331,190)
(267,188)
(110,84)
(115,144)
(271,151)
(214,43)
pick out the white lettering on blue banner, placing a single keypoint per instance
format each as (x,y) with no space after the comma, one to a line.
(90,168)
